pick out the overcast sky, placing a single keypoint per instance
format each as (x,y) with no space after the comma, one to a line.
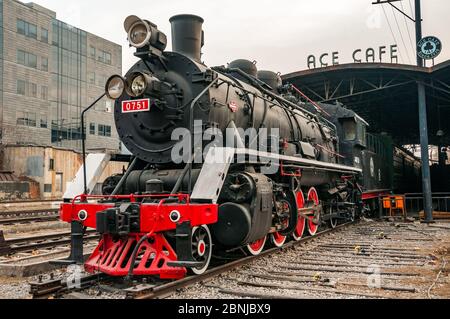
(278,34)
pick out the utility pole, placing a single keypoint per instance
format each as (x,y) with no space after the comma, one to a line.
(418,22)
(423,126)
(423,123)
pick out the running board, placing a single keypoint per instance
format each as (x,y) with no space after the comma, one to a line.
(219,159)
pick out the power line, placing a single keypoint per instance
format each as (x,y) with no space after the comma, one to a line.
(407,29)
(392,32)
(401,34)
(411,7)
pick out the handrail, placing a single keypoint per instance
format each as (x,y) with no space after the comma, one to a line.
(83,140)
(191,123)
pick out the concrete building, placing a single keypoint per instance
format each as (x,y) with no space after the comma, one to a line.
(49,72)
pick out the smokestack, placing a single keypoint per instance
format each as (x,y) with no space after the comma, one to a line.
(187,35)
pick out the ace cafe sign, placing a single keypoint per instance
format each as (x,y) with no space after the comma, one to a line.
(369,55)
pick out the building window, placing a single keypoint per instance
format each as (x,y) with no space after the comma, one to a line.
(104,130)
(43,123)
(92,52)
(21,57)
(33,89)
(32,60)
(51,165)
(44,93)
(26,29)
(20,26)
(108,131)
(27,59)
(92,129)
(108,58)
(44,35)
(104,57)
(26,119)
(91,77)
(21,87)
(44,64)
(32,31)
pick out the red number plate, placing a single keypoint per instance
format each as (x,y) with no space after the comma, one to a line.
(136,106)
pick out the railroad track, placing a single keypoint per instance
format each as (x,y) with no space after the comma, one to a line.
(28,216)
(346,262)
(59,288)
(27,244)
(370,260)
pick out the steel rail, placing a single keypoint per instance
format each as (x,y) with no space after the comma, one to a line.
(17,217)
(16,245)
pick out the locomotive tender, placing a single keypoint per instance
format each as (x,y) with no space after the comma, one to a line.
(164,216)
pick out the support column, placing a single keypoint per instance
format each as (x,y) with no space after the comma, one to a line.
(426,176)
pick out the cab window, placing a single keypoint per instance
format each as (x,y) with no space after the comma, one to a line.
(362,133)
(349,127)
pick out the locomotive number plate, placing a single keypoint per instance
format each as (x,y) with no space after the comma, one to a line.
(134,106)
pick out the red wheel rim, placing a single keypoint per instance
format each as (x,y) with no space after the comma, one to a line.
(278,240)
(257,247)
(312,196)
(300,229)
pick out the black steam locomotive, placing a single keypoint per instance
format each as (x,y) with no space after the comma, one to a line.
(273,168)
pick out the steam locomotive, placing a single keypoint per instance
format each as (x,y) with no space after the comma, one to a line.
(283,169)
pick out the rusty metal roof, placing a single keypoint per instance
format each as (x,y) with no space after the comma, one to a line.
(6,176)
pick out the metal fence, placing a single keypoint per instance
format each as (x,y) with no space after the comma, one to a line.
(414,202)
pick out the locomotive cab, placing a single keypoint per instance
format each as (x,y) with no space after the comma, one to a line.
(353,140)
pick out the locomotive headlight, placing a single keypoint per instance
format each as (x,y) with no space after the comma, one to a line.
(139,31)
(115,86)
(143,33)
(139,85)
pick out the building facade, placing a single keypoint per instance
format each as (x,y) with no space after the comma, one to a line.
(50,71)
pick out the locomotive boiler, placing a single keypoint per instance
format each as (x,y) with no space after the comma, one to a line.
(168,211)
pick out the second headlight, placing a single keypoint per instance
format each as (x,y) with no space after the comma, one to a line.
(115,87)
(140,83)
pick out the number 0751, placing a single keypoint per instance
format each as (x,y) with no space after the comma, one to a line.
(133,106)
